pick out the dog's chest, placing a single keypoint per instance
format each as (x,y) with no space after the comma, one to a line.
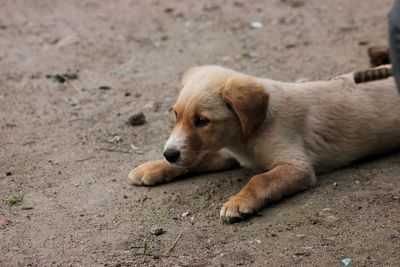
(245,158)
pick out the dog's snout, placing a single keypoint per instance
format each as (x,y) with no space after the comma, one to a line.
(171,155)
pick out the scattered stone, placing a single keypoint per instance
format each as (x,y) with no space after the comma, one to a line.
(136,149)
(302,80)
(4,221)
(61,78)
(302,253)
(393,236)
(149,105)
(346,261)
(378,55)
(27,208)
(9,173)
(251,55)
(256,25)
(189,23)
(127,94)
(115,139)
(104,87)
(331,220)
(395,197)
(137,119)
(157,230)
(186,213)
(363,42)
(142,200)
(125,197)
(292,45)
(301,236)
(211,7)
(169,10)
(294,3)
(335,184)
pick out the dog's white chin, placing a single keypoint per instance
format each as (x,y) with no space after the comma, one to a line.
(188,163)
(183,164)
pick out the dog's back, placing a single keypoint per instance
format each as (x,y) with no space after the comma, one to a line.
(340,121)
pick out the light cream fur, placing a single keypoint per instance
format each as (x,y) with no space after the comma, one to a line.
(308,128)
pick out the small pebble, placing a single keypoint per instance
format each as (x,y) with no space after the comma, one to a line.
(186,213)
(253,54)
(137,119)
(9,173)
(301,80)
(256,25)
(335,184)
(3,221)
(346,261)
(115,139)
(104,87)
(302,253)
(61,78)
(157,230)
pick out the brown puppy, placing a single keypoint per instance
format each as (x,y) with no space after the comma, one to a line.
(291,131)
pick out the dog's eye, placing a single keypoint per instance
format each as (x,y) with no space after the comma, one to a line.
(201,122)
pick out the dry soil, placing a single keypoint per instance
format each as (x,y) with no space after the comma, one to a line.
(66,147)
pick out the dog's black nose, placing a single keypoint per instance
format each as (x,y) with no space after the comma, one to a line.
(171,155)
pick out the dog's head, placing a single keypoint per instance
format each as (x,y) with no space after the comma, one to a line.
(215,108)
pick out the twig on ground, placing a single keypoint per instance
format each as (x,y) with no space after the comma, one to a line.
(28,143)
(152,255)
(173,245)
(84,159)
(114,150)
(72,84)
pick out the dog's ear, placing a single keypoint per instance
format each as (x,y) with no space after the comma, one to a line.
(248,100)
(186,76)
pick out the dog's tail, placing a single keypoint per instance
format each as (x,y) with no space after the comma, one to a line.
(372,75)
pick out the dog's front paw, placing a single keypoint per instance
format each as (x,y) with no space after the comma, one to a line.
(238,208)
(153,172)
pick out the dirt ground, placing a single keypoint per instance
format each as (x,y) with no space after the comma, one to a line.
(68,153)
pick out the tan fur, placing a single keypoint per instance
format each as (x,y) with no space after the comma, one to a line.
(291,131)
(249,101)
